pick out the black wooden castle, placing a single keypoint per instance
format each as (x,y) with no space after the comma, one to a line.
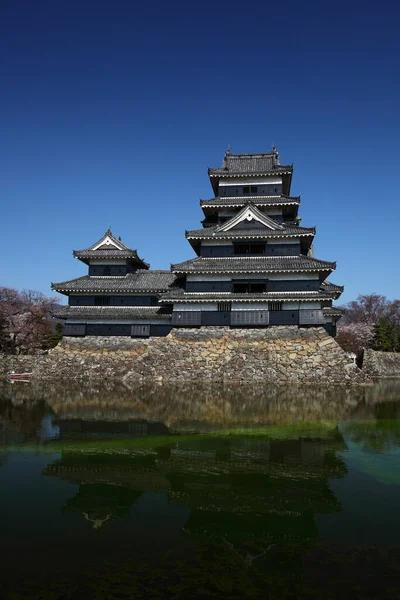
(255,266)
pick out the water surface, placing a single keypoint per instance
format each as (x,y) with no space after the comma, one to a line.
(190,491)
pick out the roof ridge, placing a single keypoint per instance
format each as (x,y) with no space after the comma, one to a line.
(109,234)
(247,197)
(241,154)
(152,271)
(249,257)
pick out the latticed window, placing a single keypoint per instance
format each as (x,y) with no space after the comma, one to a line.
(275,306)
(224,306)
(102,300)
(249,248)
(257,288)
(253,189)
(249,287)
(106,270)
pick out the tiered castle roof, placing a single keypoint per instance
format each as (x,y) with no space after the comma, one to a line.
(180,295)
(251,249)
(109,247)
(254,264)
(237,165)
(218,203)
(139,281)
(113,313)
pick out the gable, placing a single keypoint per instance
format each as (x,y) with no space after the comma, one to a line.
(250,214)
(105,246)
(252,224)
(108,243)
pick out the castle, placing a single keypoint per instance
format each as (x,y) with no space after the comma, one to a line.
(255,266)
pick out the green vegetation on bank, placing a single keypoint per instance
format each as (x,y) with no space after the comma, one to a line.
(271,432)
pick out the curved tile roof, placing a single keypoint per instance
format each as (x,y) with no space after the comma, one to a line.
(332,287)
(251,163)
(109,247)
(179,295)
(234,201)
(107,253)
(260,232)
(264,264)
(113,313)
(140,281)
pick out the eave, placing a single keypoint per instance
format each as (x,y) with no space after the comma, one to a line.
(142,282)
(195,239)
(113,313)
(255,264)
(248,272)
(234,297)
(216,174)
(240,234)
(219,203)
(87,256)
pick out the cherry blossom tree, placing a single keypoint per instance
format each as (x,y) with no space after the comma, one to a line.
(358,327)
(25,320)
(367,308)
(355,337)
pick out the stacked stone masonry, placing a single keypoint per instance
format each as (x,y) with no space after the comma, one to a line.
(280,355)
(381,364)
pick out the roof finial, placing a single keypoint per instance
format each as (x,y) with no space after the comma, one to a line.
(109,232)
(273,147)
(228,149)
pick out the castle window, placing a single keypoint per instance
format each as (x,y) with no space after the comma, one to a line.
(250,189)
(224,306)
(275,306)
(240,288)
(249,248)
(106,270)
(257,288)
(249,287)
(102,300)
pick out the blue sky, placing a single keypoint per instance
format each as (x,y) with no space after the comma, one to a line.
(111,112)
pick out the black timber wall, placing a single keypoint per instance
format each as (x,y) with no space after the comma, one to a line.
(299,285)
(269,250)
(284,317)
(272,189)
(293,285)
(206,318)
(330,328)
(197,318)
(112,270)
(283,249)
(89,300)
(216,318)
(209,286)
(95,329)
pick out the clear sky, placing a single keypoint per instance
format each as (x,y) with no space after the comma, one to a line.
(111,112)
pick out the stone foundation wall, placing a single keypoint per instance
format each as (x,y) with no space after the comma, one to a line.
(278,354)
(381,364)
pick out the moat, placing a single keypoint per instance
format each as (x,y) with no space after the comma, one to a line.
(203,491)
